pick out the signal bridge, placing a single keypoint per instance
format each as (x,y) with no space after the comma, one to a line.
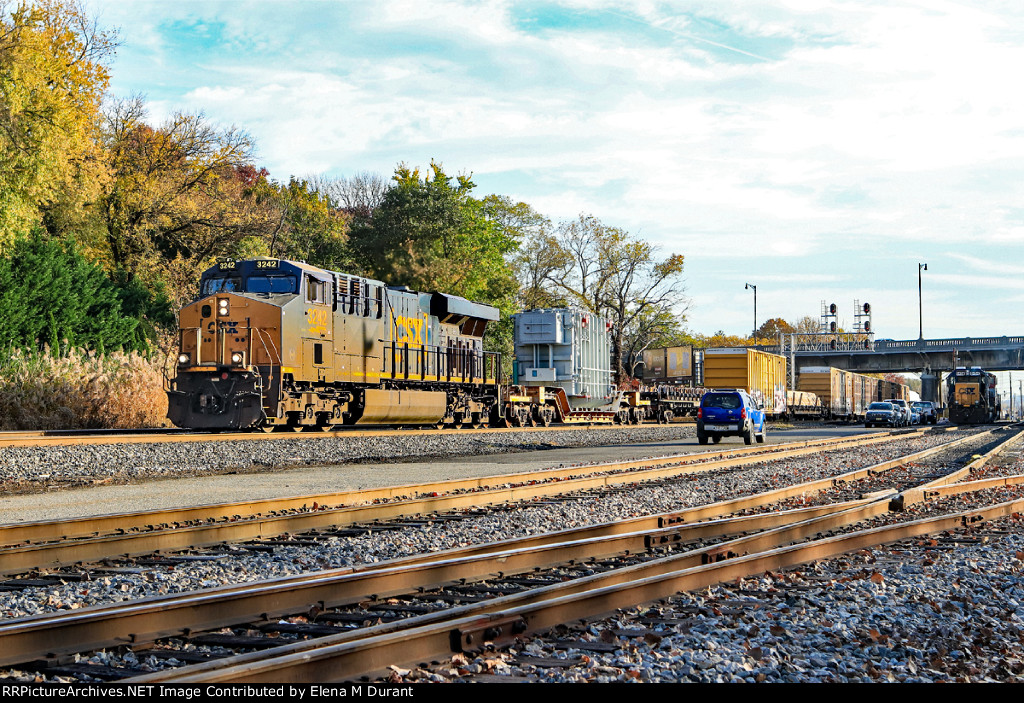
(862,353)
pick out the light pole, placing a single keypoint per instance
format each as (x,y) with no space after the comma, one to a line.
(748,286)
(920,314)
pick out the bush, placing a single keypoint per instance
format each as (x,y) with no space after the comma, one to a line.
(49,292)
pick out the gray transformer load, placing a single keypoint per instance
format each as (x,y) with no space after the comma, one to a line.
(568,349)
(563,371)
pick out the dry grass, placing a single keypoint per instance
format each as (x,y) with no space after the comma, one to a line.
(81,390)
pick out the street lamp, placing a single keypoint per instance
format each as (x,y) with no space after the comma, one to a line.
(748,286)
(920,315)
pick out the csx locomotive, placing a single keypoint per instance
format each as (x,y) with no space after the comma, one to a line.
(972,397)
(272,343)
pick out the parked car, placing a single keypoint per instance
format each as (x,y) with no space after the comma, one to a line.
(927,411)
(904,408)
(730,413)
(882,413)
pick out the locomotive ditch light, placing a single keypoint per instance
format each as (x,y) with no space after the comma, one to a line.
(184,358)
(222,306)
(237,358)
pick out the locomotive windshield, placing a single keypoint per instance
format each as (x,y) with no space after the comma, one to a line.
(274,283)
(271,284)
(221,284)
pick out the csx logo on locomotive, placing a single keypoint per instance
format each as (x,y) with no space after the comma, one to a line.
(230,325)
(411,330)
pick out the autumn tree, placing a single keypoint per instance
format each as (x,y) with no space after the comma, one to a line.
(611,273)
(771,329)
(309,227)
(181,194)
(53,79)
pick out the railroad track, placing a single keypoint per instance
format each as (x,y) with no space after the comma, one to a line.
(475,622)
(56,543)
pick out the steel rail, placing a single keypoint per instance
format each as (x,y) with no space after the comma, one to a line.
(148,619)
(271,665)
(933,488)
(19,559)
(337,660)
(155,617)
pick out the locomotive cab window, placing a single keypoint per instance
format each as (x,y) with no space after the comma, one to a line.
(316,290)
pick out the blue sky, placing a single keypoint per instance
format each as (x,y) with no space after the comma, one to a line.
(818,150)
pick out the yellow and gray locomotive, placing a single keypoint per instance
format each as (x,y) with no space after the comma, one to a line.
(272,343)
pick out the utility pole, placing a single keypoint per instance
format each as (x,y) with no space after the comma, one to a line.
(920,313)
(748,286)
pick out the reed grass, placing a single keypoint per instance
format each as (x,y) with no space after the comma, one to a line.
(81,390)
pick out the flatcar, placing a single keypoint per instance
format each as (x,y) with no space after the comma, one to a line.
(971,396)
(273,343)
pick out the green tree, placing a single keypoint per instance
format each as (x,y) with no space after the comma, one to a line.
(53,79)
(429,233)
(51,295)
(310,227)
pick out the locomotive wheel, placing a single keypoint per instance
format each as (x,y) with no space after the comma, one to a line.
(268,428)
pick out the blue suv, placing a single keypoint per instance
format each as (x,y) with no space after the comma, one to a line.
(730,413)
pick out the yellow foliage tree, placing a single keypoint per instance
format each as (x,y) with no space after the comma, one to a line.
(52,82)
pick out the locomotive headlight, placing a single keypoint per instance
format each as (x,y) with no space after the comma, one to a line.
(237,358)
(222,306)
(184,359)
